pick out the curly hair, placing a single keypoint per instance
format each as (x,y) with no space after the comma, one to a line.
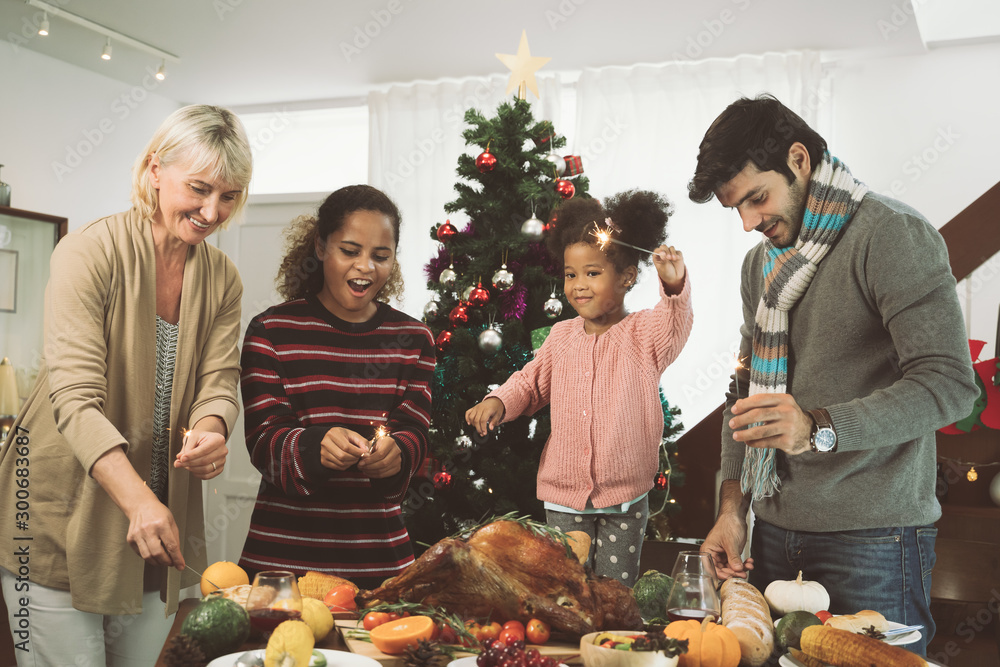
(301,272)
(761,131)
(641,216)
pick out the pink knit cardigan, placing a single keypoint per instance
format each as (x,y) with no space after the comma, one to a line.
(607,421)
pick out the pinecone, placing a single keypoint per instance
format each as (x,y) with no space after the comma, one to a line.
(425,654)
(184,651)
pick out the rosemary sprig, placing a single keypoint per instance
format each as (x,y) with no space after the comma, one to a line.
(536,528)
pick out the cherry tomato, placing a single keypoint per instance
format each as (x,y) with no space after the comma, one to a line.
(490,631)
(538,632)
(823,616)
(509,635)
(517,626)
(448,635)
(373,619)
(341,598)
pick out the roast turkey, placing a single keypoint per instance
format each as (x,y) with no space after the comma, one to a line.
(504,571)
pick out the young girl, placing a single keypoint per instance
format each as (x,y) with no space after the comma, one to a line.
(601,373)
(321,373)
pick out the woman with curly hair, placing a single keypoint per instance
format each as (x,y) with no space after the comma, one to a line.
(337,399)
(601,373)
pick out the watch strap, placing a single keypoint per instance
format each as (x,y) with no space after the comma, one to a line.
(822,418)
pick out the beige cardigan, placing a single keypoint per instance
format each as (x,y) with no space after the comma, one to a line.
(94,392)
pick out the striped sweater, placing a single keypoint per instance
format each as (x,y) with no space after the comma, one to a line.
(607,420)
(306,371)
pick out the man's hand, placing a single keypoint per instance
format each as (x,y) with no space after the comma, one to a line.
(341,448)
(778,422)
(725,543)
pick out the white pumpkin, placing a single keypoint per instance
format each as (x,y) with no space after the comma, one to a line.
(798,595)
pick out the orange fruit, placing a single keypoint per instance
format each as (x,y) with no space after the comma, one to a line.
(223,574)
(393,637)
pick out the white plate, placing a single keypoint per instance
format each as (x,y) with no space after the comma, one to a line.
(895,640)
(467,661)
(333,659)
(786,661)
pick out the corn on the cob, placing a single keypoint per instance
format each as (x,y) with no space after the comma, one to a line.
(317,584)
(806,660)
(846,649)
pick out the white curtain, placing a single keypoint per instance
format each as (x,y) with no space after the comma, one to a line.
(640,127)
(415,138)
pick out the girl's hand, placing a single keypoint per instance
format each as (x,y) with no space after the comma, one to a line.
(486,415)
(203,454)
(384,461)
(342,448)
(669,263)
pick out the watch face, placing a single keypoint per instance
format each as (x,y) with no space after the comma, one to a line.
(826,439)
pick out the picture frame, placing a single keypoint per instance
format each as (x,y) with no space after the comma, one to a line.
(8,281)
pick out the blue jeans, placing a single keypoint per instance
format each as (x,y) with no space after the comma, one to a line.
(885,569)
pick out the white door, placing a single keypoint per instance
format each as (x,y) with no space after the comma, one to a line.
(256,247)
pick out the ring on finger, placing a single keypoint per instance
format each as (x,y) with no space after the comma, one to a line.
(213,466)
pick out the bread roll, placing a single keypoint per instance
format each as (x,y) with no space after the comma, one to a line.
(579,542)
(858,622)
(746,613)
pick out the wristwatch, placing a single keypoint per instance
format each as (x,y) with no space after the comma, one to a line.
(823,437)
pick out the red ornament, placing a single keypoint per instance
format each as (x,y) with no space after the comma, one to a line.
(479,296)
(486,161)
(660,481)
(442,480)
(565,189)
(459,314)
(443,341)
(446,231)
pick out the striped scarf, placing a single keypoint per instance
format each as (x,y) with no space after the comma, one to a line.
(834,195)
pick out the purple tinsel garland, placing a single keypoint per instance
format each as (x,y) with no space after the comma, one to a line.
(513,302)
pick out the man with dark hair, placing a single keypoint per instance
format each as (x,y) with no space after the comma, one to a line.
(856,352)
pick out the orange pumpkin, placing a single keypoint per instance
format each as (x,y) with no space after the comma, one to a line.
(709,644)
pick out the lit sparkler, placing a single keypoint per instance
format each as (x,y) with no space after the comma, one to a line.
(380,433)
(738,365)
(603,237)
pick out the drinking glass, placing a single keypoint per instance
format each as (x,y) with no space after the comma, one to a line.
(693,597)
(695,563)
(274,598)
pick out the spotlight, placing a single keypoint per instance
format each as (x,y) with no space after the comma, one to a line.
(43,29)
(106,53)
(161,73)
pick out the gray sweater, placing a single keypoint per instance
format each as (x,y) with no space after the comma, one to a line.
(878,340)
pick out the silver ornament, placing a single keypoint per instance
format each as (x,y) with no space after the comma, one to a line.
(552,307)
(490,340)
(431,309)
(448,277)
(503,279)
(557,162)
(463,442)
(533,227)
(466,292)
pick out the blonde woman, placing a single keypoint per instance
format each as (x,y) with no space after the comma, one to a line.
(131,409)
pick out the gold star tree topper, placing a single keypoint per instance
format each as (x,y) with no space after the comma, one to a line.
(522,67)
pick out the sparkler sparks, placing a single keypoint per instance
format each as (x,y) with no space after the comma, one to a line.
(380,433)
(603,237)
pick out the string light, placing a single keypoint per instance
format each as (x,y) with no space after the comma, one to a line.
(972,474)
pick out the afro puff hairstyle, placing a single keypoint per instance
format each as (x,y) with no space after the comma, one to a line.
(640,214)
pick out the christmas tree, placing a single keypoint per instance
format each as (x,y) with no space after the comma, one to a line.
(498,291)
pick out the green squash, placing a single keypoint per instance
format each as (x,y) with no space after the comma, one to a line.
(218,624)
(788,632)
(651,591)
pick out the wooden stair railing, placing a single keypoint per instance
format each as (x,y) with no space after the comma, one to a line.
(972,238)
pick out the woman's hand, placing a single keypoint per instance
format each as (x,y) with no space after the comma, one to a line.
(486,415)
(383,461)
(203,454)
(341,448)
(669,263)
(152,533)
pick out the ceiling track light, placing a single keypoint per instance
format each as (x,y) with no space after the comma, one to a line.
(161,72)
(43,27)
(106,53)
(120,38)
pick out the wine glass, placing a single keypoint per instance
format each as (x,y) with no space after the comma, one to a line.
(695,563)
(693,597)
(274,598)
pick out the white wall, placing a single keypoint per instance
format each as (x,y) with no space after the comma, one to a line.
(925,129)
(68,137)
